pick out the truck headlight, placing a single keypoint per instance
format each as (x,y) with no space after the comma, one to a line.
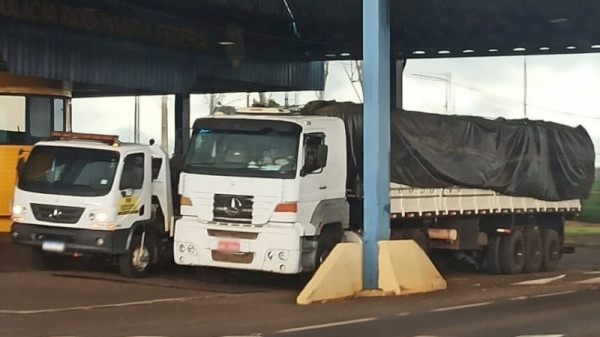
(101,216)
(18,210)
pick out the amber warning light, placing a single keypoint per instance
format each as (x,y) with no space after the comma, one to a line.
(109,139)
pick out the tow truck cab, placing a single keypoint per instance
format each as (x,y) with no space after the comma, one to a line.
(91,194)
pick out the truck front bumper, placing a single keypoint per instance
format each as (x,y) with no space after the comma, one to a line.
(274,249)
(70,240)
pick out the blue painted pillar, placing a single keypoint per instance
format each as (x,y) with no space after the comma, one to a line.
(376,57)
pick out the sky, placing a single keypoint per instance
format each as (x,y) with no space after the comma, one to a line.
(559,88)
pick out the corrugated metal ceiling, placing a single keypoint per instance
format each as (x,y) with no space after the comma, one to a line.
(457,28)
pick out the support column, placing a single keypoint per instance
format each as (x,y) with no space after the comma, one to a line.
(182,124)
(376,134)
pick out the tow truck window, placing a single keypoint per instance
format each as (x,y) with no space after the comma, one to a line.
(69,171)
(133,172)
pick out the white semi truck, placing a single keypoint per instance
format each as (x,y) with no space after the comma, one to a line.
(269,190)
(83,194)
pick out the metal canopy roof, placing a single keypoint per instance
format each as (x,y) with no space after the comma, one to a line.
(332,29)
(190,46)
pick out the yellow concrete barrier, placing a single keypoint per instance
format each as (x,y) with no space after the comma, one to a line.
(403,269)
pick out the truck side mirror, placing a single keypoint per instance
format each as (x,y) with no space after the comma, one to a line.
(20,167)
(315,160)
(322,156)
(127,192)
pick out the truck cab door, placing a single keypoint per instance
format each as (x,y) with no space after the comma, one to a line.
(135,190)
(313,178)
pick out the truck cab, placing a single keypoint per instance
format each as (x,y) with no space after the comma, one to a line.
(86,194)
(262,190)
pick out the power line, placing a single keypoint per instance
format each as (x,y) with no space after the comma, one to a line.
(435,78)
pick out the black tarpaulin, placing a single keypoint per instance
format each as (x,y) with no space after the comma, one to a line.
(528,158)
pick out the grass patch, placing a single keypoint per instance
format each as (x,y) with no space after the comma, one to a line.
(590,207)
(582,231)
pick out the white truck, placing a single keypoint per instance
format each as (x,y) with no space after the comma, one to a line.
(269,190)
(91,194)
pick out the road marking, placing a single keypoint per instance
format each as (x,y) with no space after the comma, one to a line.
(592,272)
(403,314)
(554,294)
(540,281)
(555,335)
(112,305)
(462,306)
(589,281)
(327,325)
(518,298)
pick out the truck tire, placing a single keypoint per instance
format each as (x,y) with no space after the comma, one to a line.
(47,261)
(492,255)
(533,250)
(512,253)
(550,250)
(134,265)
(325,244)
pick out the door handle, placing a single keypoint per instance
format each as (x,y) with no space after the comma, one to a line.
(322,187)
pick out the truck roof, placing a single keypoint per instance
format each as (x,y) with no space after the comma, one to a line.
(289,117)
(93,144)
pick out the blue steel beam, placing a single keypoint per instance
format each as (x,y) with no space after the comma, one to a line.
(376,57)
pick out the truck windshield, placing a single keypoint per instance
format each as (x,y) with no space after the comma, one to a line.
(69,171)
(266,153)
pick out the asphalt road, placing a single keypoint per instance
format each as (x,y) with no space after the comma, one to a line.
(82,301)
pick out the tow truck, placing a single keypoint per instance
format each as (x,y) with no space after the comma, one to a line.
(85,194)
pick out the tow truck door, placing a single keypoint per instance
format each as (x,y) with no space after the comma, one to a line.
(135,190)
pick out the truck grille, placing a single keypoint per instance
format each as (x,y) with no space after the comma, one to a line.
(233,208)
(57,214)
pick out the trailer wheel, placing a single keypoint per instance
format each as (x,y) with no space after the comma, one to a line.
(136,262)
(550,250)
(325,244)
(492,255)
(47,261)
(533,250)
(512,253)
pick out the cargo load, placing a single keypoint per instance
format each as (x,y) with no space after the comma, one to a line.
(522,157)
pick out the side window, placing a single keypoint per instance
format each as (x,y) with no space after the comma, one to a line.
(40,114)
(156,165)
(133,172)
(312,144)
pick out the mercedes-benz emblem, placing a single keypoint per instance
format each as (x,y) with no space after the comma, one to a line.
(234,207)
(56,213)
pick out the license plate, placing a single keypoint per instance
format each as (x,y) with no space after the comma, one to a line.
(229,246)
(53,246)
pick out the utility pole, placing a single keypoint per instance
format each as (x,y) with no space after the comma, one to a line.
(164,141)
(525,86)
(136,120)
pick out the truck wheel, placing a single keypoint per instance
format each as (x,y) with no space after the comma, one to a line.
(47,261)
(550,250)
(533,250)
(512,253)
(136,262)
(325,244)
(492,255)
